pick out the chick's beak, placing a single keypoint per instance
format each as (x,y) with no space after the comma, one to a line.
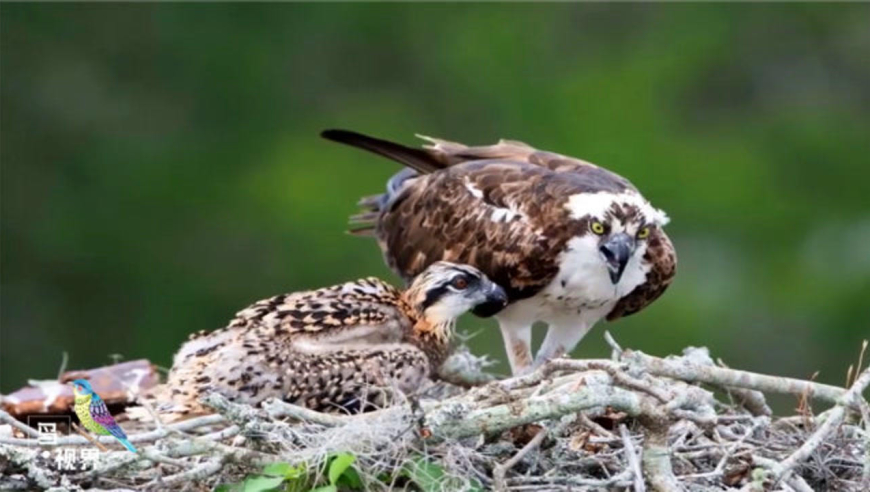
(495,299)
(616,251)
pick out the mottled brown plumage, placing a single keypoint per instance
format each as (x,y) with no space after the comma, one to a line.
(516,213)
(335,348)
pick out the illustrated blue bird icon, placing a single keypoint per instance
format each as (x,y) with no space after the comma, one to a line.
(94,415)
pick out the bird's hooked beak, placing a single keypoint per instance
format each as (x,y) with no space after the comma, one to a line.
(495,299)
(616,251)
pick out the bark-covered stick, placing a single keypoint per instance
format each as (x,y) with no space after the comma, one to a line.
(657,457)
(26,429)
(461,420)
(682,370)
(150,436)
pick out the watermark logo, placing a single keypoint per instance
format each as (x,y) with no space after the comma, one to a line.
(47,433)
(49,427)
(73,459)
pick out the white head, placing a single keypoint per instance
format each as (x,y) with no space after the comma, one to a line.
(619,226)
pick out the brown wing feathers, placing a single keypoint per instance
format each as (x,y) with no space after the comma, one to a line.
(517,251)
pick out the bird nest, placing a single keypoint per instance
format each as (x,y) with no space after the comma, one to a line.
(632,422)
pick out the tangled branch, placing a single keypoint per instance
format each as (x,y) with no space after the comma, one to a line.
(636,421)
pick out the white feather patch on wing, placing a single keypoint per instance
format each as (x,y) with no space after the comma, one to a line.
(474,190)
(504,214)
(596,204)
(497,214)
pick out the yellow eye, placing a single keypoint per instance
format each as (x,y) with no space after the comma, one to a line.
(643,233)
(597,227)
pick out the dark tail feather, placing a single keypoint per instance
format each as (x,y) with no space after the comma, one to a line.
(417,159)
(371,202)
(366,231)
(364,223)
(364,218)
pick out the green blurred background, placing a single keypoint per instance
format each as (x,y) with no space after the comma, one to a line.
(161,166)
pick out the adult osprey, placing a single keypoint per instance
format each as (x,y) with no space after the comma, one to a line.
(570,242)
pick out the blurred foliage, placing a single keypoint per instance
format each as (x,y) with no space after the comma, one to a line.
(161,167)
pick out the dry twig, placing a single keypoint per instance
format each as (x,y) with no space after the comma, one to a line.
(633,462)
(498,473)
(835,418)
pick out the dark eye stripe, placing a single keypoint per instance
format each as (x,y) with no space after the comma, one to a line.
(432,295)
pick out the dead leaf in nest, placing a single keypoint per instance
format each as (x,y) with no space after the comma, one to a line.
(578,441)
(521,435)
(595,448)
(736,475)
(611,418)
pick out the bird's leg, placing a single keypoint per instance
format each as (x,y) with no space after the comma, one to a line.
(516,331)
(561,339)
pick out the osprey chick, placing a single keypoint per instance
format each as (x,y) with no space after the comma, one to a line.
(569,241)
(331,348)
